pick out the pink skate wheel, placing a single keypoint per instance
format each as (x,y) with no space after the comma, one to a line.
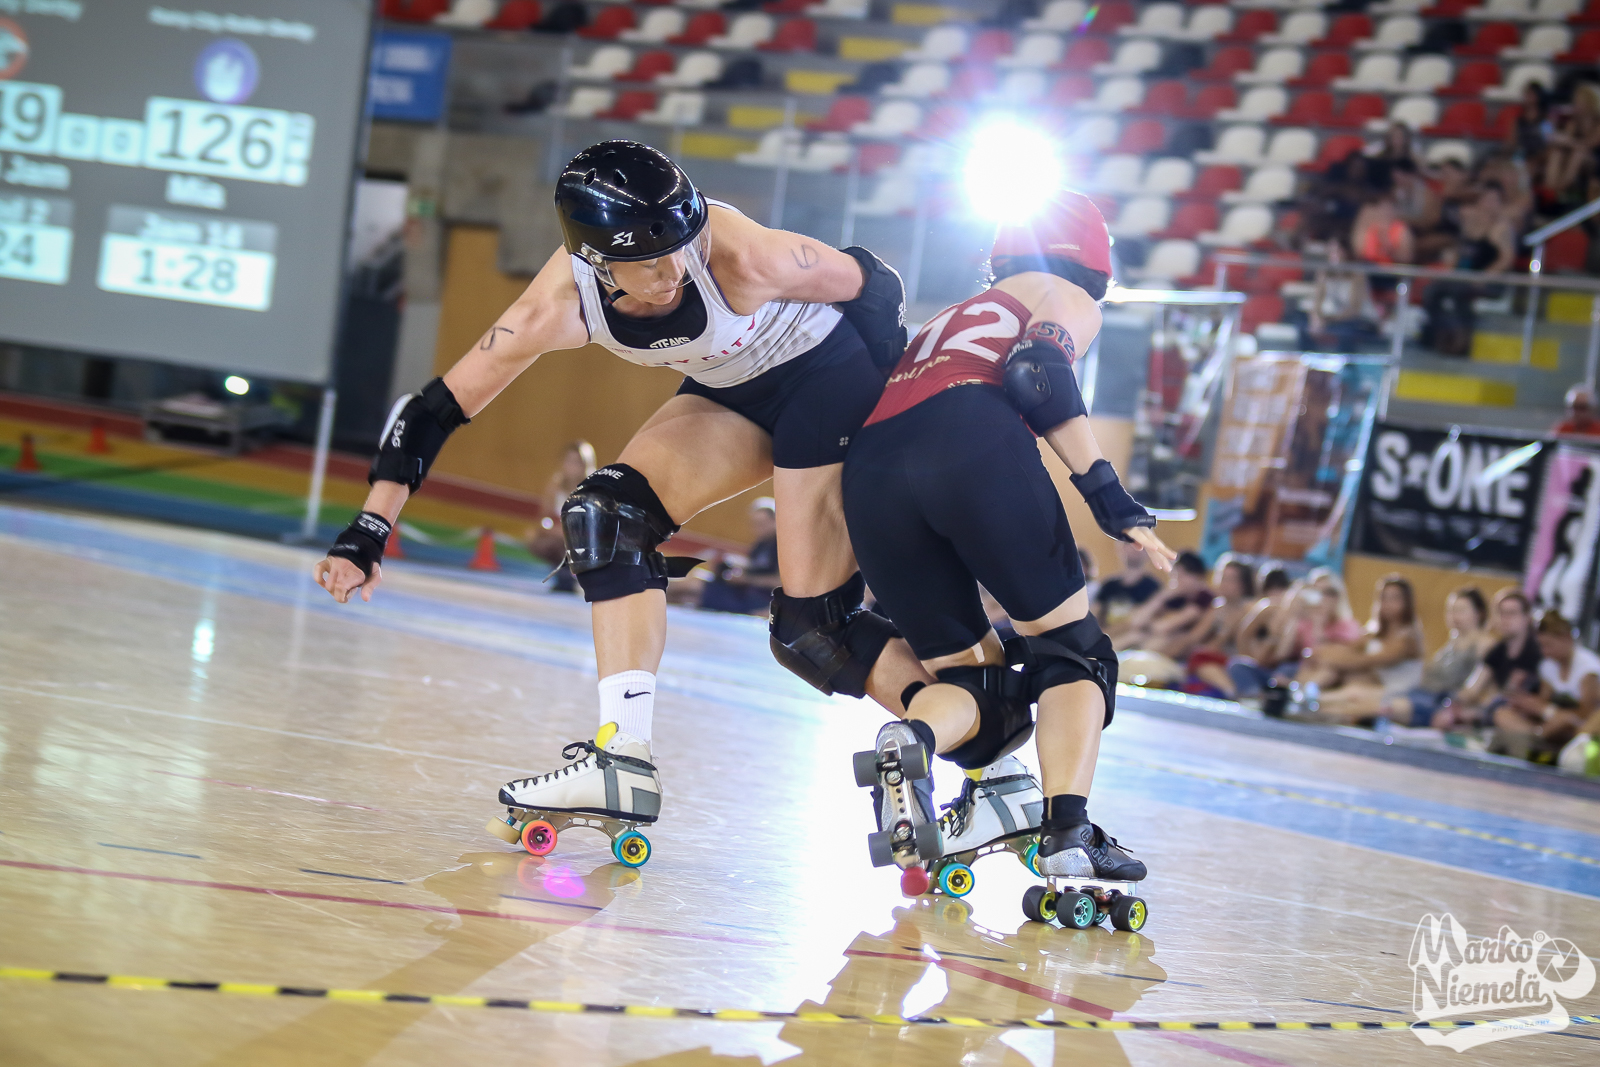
(913,881)
(539,838)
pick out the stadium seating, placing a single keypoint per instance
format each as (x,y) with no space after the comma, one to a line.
(657,28)
(604,63)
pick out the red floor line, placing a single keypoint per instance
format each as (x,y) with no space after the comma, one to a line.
(986,975)
(439,908)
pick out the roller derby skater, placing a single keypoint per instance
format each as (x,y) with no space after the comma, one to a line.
(944,488)
(784,343)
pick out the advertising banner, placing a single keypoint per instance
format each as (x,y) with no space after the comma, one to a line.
(1560,571)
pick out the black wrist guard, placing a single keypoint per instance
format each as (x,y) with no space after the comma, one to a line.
(1038,378)
(1113,508)
(879,313)
(363,541)
(416,431)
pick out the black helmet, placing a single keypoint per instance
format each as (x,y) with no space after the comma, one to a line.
(626,202)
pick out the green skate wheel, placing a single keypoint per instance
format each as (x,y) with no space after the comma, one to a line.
(1129,913)
(956,880)
(631,849)
(1039,904)
(1077,910)
(1030,858)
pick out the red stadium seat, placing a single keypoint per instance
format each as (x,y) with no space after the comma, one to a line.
(971,81)
(989,46)
(1141,136)
(1358,109)
(414,10)
(1189,220)
(515,15)
(1069,89)
(1260,308)
(1109,17)
(1084,53)
(1225,63)
(1490,38)
(943,122)
(843,113)
(875,155)
(701,28)
(1567,251)
(646,66)
(1213,181)
(610,22)
(796,35)
(1498,129)
(1251,23)
(1210,100)
(1320,72)
(1462,118)
(1346,31)
(1314,107)
(630,105)
(1272,279)
(1167,97)
(1334,149)
(1586,49)
(1472,79)
(1589,16)
(783,7)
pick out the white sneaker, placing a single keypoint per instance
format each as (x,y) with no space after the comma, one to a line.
(614,777)
(1001,802)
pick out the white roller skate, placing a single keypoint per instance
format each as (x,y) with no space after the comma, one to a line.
(998,811)
(1090,878)
(612,787)
(897,771)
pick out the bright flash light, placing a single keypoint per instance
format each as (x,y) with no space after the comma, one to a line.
(1012,170)
(236,385)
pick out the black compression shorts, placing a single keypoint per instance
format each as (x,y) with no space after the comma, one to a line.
(813,404)
(949,494)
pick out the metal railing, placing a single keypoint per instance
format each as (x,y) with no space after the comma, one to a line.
(1537,241)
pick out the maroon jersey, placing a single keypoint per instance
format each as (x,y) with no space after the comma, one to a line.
(964,344)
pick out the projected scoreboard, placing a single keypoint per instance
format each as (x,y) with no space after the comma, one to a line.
(174,183)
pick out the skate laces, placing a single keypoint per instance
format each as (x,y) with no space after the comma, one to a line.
(956,812)
(575,764)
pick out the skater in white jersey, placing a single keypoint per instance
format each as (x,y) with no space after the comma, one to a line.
(784,343)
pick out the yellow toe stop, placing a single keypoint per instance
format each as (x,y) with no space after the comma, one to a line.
(603,736)
(975,775)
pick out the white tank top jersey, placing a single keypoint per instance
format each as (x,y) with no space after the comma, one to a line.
(733,348)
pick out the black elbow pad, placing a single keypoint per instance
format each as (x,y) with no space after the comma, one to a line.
(1039,382)
(415,433)
(879,313)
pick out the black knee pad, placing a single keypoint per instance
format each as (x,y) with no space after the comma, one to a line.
(830,641)
(613,523)
(1077,652)
(1005,719)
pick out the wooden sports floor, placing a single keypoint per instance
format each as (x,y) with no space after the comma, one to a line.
(211,773)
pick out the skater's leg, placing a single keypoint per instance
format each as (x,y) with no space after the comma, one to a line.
(1068,737)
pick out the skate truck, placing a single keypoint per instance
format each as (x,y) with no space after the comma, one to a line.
(536,831)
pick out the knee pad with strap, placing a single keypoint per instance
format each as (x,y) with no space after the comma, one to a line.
(613,523)
(1079,651)
(830,641)
(1005,718)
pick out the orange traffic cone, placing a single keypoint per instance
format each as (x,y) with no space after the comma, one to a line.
(98,446)
(483,559)
(391,547)
(28,462)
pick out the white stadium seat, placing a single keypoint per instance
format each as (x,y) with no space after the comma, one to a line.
(1394,33)
(1555,10)
(1425,73)
(940,44)
(1117,174)
(1541,42)
(658,25)
(825,153)
(1156,20)
(1059,15)
(1207,22)
(1439,151)
(677,109)
(920,80)
(1241,226)
(1260,103)
(1115,94)
(586,102)
(1095,134)
(747,31)
(1501,10)
(892,118)
(694,69)
(1274,67)
(1168,262)
(1522,74)
(1021,87)
(1377,73)
(1415,112)
(1302,27)
(1035,50)
(1141,215)
(1266,185)
(605,63)
(468,14)
(838,9)
(1292,146)
(1237,144)
(775,147)
(1168,176)
(1133,57)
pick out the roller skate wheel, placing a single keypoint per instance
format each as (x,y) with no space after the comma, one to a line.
(914,761)
(505,831)
(1129,913)
(539,838)
(880,846)
(631,849)
(913,881)
(1030,858)
(1077,910)
(925,838)
(956,880)
(866,768)
(1039,904)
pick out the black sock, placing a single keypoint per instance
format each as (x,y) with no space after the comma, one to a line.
(1064,811)
(924,734)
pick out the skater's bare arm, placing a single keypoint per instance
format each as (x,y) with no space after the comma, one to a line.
(545,318)
(755,265)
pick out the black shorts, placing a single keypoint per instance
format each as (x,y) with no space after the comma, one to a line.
(947,495)
(813,404)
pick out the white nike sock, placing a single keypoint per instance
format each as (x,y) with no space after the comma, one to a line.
(628,699)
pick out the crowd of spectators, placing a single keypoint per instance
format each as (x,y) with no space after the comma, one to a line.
(1389,206)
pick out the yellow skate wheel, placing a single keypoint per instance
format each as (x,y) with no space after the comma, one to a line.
(539,838)
(506,831)
(631,849)
(1039,904)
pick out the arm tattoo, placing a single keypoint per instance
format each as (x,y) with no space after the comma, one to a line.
(488,338)
(805,257)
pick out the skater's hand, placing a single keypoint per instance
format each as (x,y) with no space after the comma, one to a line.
(341,578)
(1161,556)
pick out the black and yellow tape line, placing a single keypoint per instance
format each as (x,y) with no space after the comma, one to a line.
(653,1011)
(1362,809)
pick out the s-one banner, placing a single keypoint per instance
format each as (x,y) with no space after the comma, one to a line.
(1448,497)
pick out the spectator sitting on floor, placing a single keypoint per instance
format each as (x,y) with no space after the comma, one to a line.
(1580,414)
(1121,595)
(1171,624)
(748,590)
(1348,683)
(1466,615)
(1536,725)
(545,541)
(1236,595)
(1246,673)
(1316,614)
(1510,666)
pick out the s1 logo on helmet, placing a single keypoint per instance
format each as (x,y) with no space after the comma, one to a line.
(625,239)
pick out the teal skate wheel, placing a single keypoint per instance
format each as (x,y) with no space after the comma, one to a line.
(631,849)
(1077,911)
(956,880)
(1030,858)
